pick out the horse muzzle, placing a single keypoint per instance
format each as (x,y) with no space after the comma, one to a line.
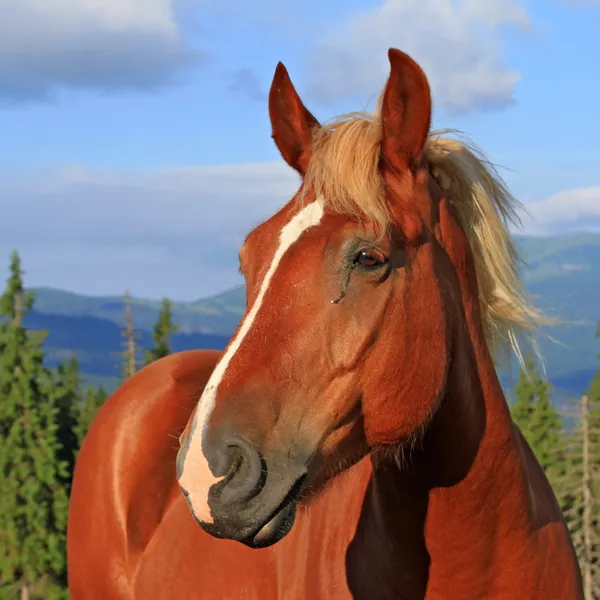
(250,500)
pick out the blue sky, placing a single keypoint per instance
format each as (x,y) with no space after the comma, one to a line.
(136,143)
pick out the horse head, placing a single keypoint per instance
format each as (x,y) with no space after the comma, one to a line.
(355,301)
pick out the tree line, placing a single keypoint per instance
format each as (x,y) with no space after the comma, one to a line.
(568,450)
(45,414)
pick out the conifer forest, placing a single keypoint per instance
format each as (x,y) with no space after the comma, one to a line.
(46,412)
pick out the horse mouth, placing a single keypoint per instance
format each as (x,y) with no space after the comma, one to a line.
(281,520)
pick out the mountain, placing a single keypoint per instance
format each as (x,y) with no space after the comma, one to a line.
(217,315)
(563,276)
(561,273)
(98,344)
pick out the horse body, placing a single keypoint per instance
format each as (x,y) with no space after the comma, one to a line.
(368,535)
(353,440)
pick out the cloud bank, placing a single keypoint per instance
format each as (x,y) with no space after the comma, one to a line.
(458,44)
(175,232)
(120,45)
(46,45)
(568,211)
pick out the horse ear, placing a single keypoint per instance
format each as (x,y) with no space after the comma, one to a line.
(291,121)
(405,112)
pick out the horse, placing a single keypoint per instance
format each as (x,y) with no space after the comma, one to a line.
(353,439)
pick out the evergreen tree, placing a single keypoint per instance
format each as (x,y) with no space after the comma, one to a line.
(579,488)
(525,396)
(578,494)
(532,408)
(593,391)
(33,502)
(66,389)
(538,420)
(130,358)
(15,302)
(591,488)
(546,430)
(93,399)
(163,329)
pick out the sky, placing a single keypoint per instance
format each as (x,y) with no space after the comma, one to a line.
(135,147)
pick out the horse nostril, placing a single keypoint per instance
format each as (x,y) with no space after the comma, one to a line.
(236,465)
(246,475)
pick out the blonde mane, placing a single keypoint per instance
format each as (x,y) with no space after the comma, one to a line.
(345,160)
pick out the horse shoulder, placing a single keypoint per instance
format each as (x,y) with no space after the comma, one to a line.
(124,480)
(551,557)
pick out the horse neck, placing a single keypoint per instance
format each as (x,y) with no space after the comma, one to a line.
(475,464)
(457,509)
(460,505)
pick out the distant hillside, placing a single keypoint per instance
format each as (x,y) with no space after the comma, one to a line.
(217,315)
(561,273)
(98,344)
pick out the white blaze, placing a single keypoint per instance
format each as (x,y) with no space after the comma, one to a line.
(196,477)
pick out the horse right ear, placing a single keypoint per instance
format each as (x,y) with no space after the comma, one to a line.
(291,122)
(405,112)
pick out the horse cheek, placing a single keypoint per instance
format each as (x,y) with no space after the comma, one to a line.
(407,375)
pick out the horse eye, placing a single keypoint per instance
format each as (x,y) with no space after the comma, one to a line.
(370,259)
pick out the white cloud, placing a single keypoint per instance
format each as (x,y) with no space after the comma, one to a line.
(175,232)
(571,210)
(458,44)
(102,44)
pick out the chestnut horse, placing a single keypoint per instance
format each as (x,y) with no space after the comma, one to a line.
(353,440)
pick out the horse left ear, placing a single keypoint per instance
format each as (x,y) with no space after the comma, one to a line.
(405,112)
(292,123)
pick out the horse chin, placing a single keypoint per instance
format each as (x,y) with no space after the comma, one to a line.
(262,527)
(281,520)
(275,529)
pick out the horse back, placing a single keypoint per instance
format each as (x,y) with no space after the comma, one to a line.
(124,480)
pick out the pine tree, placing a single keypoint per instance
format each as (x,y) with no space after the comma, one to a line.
(15,302)
(546,432)
(590,541)
(530,391)
(163,329)
(33,502)
(538,420)
(591,487)
(93,399)
(578,494)
(524,392)
(594,388)
(130,359)
(579,488)
(66,388)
